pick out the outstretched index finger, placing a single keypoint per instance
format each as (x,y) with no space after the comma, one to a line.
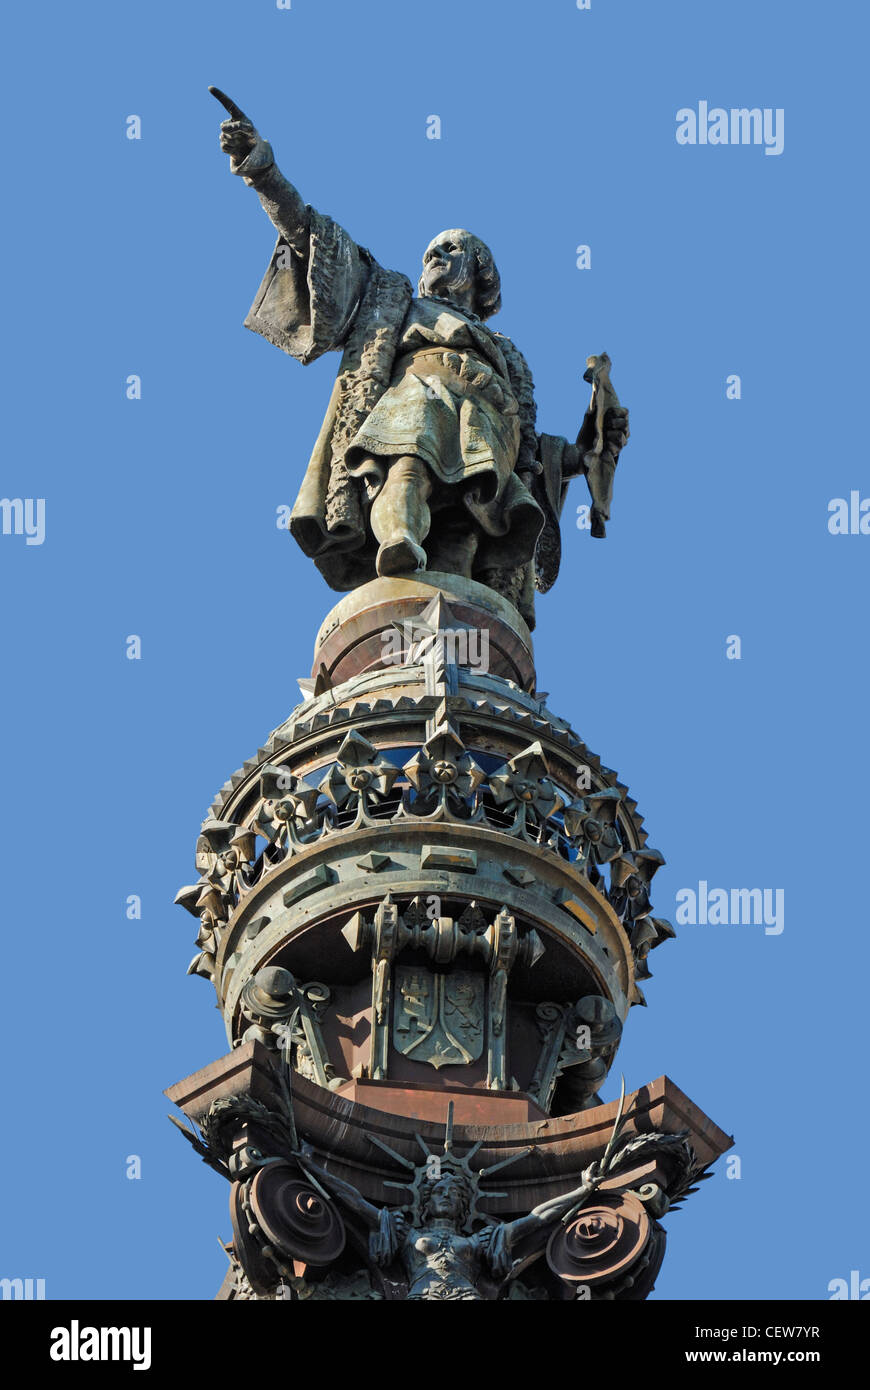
(228,104)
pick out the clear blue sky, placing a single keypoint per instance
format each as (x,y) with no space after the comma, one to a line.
(558,128)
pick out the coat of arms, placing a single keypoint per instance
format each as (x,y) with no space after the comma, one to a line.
(438,1018)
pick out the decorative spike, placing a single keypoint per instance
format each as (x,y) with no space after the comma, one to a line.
(218,833)
(504,1163)
(373,862)
(356,932)
(188,897)
(666,931)
(532,948)
(415,914)
(644,931)
(405,1162)
(522,877)
(448,1129)
(356,749)
(473,919)
(200,966)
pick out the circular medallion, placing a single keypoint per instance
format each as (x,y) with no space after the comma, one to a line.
(294,1217)
(601,1242)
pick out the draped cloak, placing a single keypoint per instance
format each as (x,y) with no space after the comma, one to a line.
(340,297)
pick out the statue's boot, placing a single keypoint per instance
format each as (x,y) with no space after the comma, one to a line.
(400,517)
(400,555)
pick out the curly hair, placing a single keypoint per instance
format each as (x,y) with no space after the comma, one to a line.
(487,281)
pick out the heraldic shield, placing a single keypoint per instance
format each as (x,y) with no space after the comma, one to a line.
(438,1018)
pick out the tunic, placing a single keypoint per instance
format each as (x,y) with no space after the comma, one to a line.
(450,400)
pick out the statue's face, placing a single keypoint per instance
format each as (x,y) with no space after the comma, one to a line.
(449,265)
(445,1199)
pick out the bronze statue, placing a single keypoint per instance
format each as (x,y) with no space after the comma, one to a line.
(429,457)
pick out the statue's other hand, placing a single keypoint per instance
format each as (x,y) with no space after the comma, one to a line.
(616,431)
(592,1176)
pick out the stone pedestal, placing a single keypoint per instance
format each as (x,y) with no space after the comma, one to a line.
(387,618)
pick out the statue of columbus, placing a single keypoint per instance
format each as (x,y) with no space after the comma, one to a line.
(429,456)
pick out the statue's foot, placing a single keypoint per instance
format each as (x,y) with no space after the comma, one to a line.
(400,555)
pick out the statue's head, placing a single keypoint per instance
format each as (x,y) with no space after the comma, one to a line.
(447,1198)
(457,265)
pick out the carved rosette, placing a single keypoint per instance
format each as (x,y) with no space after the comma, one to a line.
(444,773)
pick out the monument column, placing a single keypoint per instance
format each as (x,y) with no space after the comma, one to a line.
(424,904)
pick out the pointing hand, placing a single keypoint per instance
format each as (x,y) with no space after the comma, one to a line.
(239,136)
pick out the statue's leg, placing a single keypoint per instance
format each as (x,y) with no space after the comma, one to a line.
(453,543)
(400,517)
